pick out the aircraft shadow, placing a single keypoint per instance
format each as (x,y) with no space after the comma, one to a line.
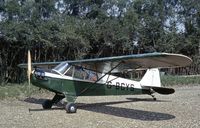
(111,110)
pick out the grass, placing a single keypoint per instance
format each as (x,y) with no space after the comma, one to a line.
(18,90)
(169,80)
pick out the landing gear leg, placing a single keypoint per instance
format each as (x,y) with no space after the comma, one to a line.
(70,107)
(48,103)
(151,94)
(154,98)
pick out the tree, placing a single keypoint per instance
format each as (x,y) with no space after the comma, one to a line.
(66,30)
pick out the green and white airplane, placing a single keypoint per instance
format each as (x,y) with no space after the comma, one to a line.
(93,77)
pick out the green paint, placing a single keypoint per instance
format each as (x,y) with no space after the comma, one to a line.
(80,88)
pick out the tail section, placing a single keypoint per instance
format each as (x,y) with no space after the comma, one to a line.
(151,78)
(164,91)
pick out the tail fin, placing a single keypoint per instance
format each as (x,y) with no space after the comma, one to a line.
(151,78)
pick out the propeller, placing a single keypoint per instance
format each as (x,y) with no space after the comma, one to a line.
(29,67)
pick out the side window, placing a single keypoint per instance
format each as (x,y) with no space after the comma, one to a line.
(69,72)
(79,73)
(91,76)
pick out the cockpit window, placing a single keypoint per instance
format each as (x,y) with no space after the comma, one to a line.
(76,72)
(79,72)
(84,74)
(62,67)
(69,71)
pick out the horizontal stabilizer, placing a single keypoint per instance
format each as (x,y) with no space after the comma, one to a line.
(164,91)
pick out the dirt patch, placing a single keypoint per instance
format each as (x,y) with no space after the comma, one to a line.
(178,110)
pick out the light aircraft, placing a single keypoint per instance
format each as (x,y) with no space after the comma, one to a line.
(93,77)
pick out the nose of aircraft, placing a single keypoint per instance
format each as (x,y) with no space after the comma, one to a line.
(39,73)
(38,78)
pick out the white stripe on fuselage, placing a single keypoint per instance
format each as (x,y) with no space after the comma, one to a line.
(107,79)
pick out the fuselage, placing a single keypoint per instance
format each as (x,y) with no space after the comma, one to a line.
(86,86)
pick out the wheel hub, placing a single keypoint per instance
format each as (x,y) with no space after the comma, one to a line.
(72,109)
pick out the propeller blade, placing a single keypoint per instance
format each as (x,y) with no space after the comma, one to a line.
(29,67)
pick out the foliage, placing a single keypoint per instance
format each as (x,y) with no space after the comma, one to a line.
(66,30)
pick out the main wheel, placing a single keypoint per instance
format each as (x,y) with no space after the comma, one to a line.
(70,108)
(47,104)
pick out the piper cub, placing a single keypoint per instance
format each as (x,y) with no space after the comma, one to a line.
(93,77)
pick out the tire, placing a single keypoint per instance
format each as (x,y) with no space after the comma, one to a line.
(47,104)
(71,108)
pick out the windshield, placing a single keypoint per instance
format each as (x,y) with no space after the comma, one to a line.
(62,67)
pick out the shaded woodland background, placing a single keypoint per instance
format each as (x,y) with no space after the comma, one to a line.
(76,29)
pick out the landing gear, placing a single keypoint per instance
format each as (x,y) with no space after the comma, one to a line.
(151,94)
(154,98)
(48,103)
(70,108)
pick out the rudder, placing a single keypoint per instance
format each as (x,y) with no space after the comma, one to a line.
(151,78)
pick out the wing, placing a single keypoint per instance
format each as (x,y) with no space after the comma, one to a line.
(137,61)
(42,64)
(121,63)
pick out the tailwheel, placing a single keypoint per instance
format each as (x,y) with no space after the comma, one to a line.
(47,104)
(70,108)
(151,94)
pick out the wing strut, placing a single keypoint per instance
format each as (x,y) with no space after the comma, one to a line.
(109,71)
(83,91)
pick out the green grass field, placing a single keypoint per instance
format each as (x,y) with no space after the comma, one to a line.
(168,80)
(18,90)
(24,90)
